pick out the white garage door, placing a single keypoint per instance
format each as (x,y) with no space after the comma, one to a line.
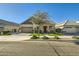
(70,30)
(26,29)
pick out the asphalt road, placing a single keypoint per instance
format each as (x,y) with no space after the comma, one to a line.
(38,48)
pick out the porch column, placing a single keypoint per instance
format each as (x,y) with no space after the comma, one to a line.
(48,29)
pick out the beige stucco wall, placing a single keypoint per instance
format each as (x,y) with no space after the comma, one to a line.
(34,26)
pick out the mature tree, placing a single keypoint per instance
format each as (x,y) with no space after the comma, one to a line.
(40,18)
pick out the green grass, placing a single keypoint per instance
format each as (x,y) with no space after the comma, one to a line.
(75,37)
(38,34)
(47,34)
(55,34)
(5,34)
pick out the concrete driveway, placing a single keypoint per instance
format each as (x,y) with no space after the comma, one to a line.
(15,37)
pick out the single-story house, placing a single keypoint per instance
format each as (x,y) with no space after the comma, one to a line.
(28,26)
(8,26)
(71,27)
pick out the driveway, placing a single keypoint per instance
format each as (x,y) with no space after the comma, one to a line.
(38,48)
(15,37)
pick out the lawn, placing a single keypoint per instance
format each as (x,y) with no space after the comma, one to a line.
(47,34)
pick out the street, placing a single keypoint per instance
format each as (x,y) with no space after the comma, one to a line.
(38,48)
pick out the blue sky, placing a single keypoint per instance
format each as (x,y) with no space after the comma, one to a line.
(58,12)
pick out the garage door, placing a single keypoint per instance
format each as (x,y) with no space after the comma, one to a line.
(26,29)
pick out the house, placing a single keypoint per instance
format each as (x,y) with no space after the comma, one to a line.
(28,26)
(59,26)
(8,26)
(71,27)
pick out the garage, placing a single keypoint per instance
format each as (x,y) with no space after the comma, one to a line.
(26,29)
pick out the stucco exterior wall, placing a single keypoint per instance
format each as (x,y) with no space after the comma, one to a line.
(31,27)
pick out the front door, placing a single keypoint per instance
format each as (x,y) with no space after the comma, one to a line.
(14,30)
(45,29)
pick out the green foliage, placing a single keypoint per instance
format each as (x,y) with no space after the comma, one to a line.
(6,33)
(45,37)
(58,30)
(75,37)
(38,34)
(56,37)
(34,37)
(47,34)
(53,31)
(55,34)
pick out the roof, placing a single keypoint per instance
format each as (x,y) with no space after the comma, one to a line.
(4,22)
(71,22)
(29,21)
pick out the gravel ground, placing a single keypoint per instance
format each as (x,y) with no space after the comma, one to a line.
(38,48)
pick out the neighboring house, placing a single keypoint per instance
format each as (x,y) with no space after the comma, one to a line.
(8,26)
(59,26)
(28,26)
(71,26)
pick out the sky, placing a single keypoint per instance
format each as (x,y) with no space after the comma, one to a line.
(58,12)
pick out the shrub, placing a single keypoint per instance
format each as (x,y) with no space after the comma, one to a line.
(75,37)
(38,34)
(58,30)
(55,34)
(45,37)
(34,37)
(56,37)
(6,33)
(52,31)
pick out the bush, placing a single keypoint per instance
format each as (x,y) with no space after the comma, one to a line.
(75,37)
(38,34)
(45,37)
(34,37)
(52,31)
(56,37)
(6,33)
(58,30)
(55,34)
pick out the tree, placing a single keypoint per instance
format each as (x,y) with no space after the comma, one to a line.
(40,18)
